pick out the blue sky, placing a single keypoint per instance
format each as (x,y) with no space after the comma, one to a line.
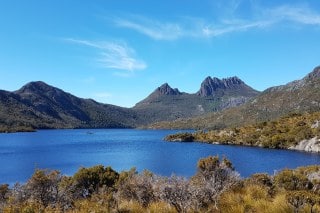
(119,51)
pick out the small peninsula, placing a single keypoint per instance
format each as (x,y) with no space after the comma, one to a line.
(294,131)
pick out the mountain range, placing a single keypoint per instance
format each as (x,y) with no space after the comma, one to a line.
(217,104)
(40,105)
(167,104)
(295,97)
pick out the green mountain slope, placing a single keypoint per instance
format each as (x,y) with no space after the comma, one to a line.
(39,105)
(297,96)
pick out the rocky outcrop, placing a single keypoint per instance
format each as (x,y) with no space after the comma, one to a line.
(315,74)
(168,104)
(165,89)
(209,86)
(311,145)
(234,101)
(214,86)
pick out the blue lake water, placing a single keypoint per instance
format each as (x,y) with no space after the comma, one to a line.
(68,150)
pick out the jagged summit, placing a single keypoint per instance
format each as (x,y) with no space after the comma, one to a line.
(232,81)
(165,89)
(210,85)
(215,95)
(315,74)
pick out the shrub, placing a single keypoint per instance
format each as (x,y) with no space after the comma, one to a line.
(89,180)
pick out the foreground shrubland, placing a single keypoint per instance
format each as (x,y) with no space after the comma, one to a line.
(216,187)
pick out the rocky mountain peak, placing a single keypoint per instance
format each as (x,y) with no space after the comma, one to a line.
(35,87)
(39,92)
(165,89)
(232,80)
(210,85)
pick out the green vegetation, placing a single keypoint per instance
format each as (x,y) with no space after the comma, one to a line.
(42,106)
(281,133)
(101,189)
(216,187)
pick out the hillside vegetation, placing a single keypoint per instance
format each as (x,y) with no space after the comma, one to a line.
(281,133)
(216,187)
(40,106)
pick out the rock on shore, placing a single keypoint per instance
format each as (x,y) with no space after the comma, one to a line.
(310,145)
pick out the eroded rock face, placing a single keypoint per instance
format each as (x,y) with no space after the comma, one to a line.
(311,145)
(167,104)
(210,86)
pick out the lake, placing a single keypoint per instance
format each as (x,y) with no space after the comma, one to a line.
(68,150)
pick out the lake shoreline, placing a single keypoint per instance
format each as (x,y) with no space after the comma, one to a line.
(66,150)
(302,146)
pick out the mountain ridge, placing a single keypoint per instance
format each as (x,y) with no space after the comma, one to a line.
(294,97)
(39,105)
(166,103)
(218,103)
(211,85)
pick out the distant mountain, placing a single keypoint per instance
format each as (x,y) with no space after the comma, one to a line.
(43,106)
(217,104)
(216,87)
(295,97)
(165,89)
(166,103)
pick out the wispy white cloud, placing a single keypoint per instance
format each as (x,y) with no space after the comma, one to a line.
(297,14)
(210,31)
(154,29)
(190,27)
(114,55)
(261,18)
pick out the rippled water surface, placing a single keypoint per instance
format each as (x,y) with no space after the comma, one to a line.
(67,150)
